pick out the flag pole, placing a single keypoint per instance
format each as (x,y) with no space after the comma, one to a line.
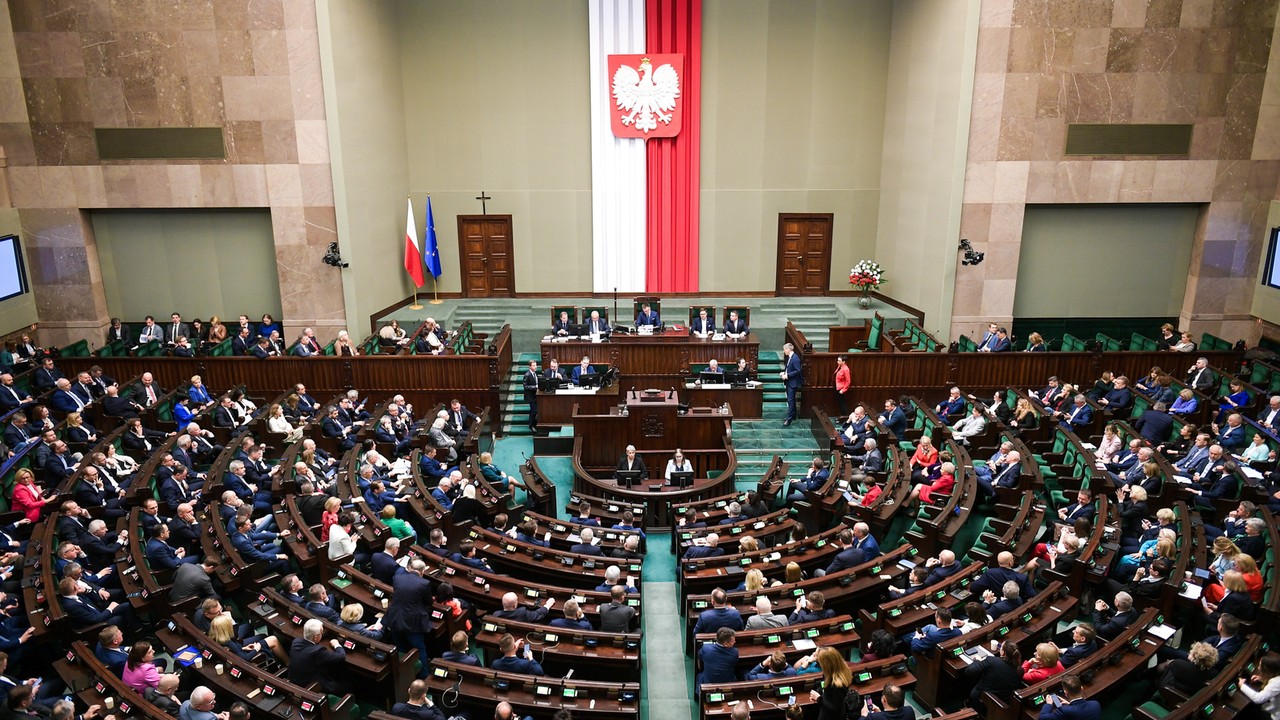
(435,290)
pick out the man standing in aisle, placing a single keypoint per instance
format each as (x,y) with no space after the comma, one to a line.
(531,393)
(793,376)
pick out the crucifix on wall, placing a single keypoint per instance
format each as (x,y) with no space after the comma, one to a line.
(483,200)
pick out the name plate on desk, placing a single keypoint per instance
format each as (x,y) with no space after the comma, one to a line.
(575,390)
(716,386)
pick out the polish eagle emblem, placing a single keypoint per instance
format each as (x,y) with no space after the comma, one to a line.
(646,98)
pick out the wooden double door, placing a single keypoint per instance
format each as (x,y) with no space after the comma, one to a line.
(804,253)
(487,256)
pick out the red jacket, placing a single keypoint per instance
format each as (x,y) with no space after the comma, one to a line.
(844,379)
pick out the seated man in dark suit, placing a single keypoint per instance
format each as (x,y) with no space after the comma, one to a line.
(418,705)
(597,325)
(720,615)
(459,650)
(849,556)
(1110,622)
(109,651)
(509,662)
(116,406)
(942,567)
(573,619)
(719,659)
(1008,602)
(647,316)
(1077,417)
(995,578)
(733,326)
(560,326)
(1084,641)
(1227,642)
(587,546)
(1119,397)
(467,556)
(703,324)
(1071,705)
(582,368)
(83,613)
(10,396)
(927,638)
(318,603)
(384,564)
(512,610)
(276,562)
(708,550)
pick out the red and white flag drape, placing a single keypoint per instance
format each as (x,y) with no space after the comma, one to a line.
(412,250)
(645,192)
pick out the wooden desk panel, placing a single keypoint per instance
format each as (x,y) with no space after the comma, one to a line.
(557,408)
(669,355)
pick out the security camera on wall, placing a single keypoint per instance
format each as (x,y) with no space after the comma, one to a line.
(971,256)
(333,257)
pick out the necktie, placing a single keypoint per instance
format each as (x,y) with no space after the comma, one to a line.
(151,394)
(175,332)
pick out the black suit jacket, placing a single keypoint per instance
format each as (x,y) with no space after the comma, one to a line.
(410,608)
(313,662)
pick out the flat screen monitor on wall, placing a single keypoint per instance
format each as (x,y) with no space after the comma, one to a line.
(1272,276)
(13,274)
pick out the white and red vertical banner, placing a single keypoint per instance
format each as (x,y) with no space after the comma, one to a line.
(646,59)
(618,176)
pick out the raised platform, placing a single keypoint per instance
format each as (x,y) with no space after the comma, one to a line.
(530,318)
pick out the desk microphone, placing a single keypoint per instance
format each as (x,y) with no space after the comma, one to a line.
(671,393)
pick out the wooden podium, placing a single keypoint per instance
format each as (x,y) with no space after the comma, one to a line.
(653,424)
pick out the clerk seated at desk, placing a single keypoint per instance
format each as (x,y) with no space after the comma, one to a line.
(714,367)
(647,316)
(561,325)
(597,325)
(631,461)
(743,367)
(555,373)
(702,325)
(677,464)
(583,368)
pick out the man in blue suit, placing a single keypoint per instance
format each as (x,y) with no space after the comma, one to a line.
(989,338)
(581,369)
(1078,417)
(1118,397)
(864,541)
(703,324)
(894,419)
(953,405)
(793,376)
(1070,705)
(848,557)
(1084,642)
(512,664)
(939,631)
(1231,436)
(83,614)
(1196,458)
(995,578)
(647,317)
(733,326)
(1228,642)
(719,615)
(385,567)
(65,401)
(709,550)
(719,659)
(277,563)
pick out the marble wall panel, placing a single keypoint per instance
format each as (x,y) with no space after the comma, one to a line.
(1198,62)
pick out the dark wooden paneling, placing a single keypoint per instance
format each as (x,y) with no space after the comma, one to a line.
(877,376)
(667,357)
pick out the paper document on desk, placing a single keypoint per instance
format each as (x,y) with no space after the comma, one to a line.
(1191,591)
(1164,632)
(804,644)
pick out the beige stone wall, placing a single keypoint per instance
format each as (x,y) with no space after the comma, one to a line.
(250,67)
(1045,63)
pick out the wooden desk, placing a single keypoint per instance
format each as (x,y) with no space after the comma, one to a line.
(880,672)
(651,422)
(478,689)
(556,408)
(663,356)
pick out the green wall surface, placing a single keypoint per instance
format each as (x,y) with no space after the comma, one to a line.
(195,262)
(793,112)
(1137,254)
(364,110)
(496,98)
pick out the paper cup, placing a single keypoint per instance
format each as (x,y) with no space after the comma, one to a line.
(199,662)
(218,668)
(109,702)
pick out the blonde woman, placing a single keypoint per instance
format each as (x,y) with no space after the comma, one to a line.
(278,423)
(1109,445)
(1043,665)
(748,544)
(217,331)
(836,679)
(754,581)
(1224,556)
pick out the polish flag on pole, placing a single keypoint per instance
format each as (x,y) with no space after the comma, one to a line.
(412,250)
